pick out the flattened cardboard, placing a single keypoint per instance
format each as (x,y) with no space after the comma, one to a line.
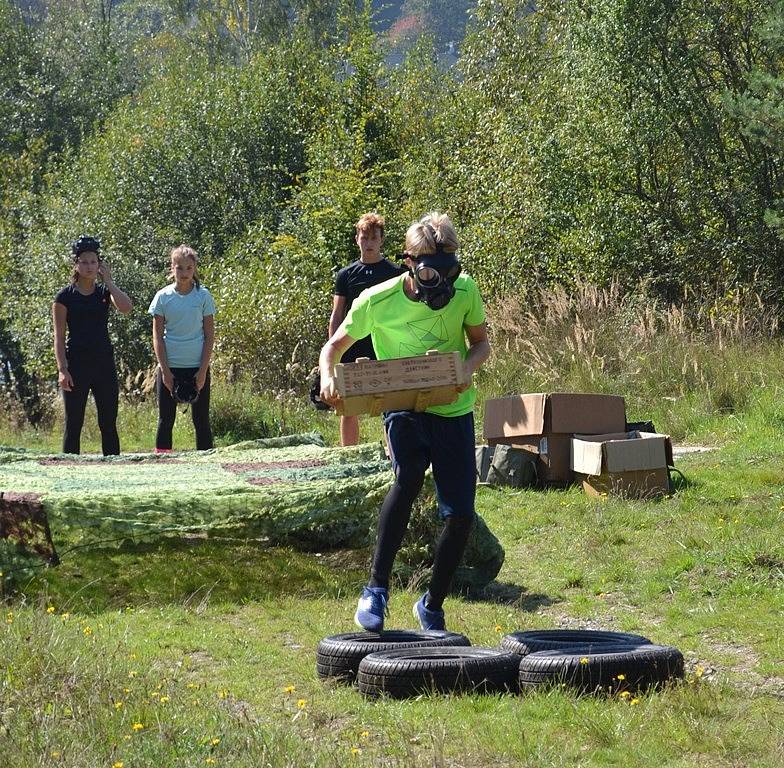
(634,484)
(558,412)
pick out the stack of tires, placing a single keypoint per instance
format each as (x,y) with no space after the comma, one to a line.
(403,663)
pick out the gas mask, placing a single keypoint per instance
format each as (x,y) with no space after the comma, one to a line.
(434,278)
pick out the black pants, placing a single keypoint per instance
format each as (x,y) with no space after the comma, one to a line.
(99,376)
(416,441)
(167,411)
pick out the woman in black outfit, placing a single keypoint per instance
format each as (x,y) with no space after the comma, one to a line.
(85,361)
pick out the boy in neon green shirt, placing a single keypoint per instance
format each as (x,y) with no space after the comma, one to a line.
(431,307)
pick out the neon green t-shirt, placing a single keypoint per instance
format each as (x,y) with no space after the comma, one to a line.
(400,327)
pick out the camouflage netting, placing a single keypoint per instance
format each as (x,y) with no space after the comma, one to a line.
(290,491)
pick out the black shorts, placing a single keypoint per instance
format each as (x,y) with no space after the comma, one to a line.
(360,348)
(445,443)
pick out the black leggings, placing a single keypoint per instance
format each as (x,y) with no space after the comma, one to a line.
(99,376)
(392,523)
(167,411)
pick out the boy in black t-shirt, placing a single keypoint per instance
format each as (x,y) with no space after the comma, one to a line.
(371,268)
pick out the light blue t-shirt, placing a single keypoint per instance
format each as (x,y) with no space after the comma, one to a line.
(183,330)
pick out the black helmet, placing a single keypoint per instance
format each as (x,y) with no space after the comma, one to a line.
(185,390)
(85,243)
(314,383)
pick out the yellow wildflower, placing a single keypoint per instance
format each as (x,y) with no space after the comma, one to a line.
(222,694)
(118,764)
(87,631)
(634,701)
(132,673)
(356,751)
(624,694)
(137,727)
(215,742)
(65,616)
(192,685)
(364,734)
(118,705)
(498,628)
(620,677)
(54,754)
(50,609)
(699,670)
(584,660)
(289,689)
(301,703)
(210,761)
(164,699)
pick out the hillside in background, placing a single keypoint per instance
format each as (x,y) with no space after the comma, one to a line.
(579,143)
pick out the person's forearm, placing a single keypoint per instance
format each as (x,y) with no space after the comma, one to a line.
(159,347)
(477,354)
(121,299)
(335,319)
(329,356)
(59,355)
(206,353)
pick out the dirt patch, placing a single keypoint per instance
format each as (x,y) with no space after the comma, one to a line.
(14,496)
(261,466)
(23,521)
(263,480)
(112,463)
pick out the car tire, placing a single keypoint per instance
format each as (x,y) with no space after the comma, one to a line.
(338,656)
(601,668)
(403,673)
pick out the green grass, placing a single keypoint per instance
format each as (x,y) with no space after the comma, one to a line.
(201,640)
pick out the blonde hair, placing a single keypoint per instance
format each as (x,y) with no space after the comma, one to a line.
(370,221)
(424,235)
(185,252)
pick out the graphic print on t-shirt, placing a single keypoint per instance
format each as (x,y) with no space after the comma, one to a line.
(425,335)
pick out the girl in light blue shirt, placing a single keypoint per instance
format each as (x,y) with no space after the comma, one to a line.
(183,336)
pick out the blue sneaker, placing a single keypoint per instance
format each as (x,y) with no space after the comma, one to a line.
(371,609)
(428,619)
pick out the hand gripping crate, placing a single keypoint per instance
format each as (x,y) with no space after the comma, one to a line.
(403,384)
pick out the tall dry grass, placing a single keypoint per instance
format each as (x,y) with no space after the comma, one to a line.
(710,352)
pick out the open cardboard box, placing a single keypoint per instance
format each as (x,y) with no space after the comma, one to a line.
(544,424)
(630,464)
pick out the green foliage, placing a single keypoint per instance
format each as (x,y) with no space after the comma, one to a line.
(190,161)
(572,142)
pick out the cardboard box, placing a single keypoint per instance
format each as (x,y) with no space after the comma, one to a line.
(630,464)
(544,424)
(406,383)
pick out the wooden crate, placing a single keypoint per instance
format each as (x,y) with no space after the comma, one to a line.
(402,384)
